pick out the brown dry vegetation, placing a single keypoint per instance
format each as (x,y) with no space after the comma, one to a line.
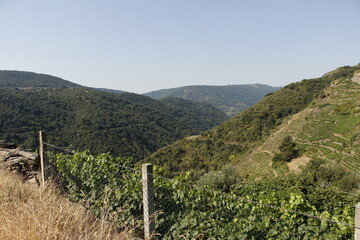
(31,213)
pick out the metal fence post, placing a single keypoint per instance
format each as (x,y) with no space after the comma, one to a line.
(357,221)
(148,200)
(42,150)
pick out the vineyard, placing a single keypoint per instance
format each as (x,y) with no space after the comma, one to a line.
(277,209)
(327,129)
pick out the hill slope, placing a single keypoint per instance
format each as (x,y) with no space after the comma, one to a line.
(230,99)
(235,140)
(47,213)
(123,124)
(328,129)
(17,79)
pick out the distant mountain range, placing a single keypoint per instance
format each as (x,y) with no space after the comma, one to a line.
(230,99)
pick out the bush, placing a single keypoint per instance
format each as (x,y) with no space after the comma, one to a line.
(220,180)
(348,183)
(288,151)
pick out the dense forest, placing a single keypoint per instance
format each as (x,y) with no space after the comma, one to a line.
(123,124)
(230,99)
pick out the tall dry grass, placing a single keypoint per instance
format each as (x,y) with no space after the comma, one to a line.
(30,213)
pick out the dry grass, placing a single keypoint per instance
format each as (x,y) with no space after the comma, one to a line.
(33,213)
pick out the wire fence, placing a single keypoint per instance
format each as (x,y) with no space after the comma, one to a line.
(156,207)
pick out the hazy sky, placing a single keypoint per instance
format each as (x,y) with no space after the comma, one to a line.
(139,46)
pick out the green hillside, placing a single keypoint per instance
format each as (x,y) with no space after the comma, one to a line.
(327,130)
(123,124)
(17,79)
(230,99)
(239,141)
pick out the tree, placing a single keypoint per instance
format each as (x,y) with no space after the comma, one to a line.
(288,150)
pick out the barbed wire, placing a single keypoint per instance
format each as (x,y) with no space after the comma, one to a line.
(59,148)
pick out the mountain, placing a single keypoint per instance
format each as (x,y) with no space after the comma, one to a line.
(230,99)
(123,124)
(21,79)
(110,90)
(321,115)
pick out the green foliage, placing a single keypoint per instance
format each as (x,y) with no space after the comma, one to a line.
(275,209)
(345,109)
(338,177)
(220,180)
(123,124)
(100,183)
(288,150)
(348,183)
(343,72)
(325,175)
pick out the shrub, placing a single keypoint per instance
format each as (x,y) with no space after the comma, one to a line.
(220,180)
(288,150)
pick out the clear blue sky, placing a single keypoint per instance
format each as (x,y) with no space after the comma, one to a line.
(139,46)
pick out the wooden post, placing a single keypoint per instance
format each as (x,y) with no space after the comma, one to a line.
(357,221)
(42,150)
(148,200)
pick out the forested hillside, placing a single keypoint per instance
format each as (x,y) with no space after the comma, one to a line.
(123,124)
(232,140)
(230,99)
(15,79)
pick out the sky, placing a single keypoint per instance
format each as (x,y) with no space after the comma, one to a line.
(141,46)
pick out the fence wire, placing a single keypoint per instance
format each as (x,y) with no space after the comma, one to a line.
(112,188)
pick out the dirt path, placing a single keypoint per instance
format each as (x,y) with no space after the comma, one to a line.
(296,163)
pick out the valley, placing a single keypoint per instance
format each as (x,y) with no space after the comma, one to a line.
(297,150)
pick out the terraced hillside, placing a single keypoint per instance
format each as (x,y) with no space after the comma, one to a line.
(328,129)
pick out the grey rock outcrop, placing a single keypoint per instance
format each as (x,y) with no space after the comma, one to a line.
(14,158)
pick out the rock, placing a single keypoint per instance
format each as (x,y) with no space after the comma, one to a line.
(14,160)
(3,155)
(12,157)
(356,77)
(33,182)
(28,155)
